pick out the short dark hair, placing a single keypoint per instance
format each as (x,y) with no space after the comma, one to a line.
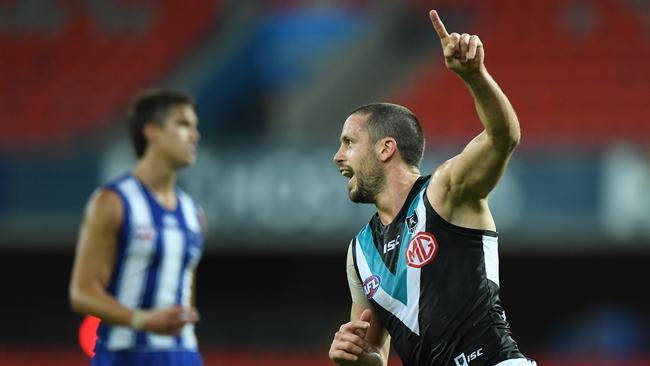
(152,106)
(396,121)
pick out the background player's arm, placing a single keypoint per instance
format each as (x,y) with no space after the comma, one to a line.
(363,341)
(193,295)
(96,248)
(204,230)
(471,175)
(92,269)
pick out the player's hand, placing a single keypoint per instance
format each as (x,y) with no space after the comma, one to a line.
(169,321)
(350,346)
(464,53)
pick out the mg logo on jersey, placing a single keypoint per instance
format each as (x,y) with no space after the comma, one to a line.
(421,250)
(371,285)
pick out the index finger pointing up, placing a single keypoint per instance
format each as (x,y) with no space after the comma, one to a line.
(439,27)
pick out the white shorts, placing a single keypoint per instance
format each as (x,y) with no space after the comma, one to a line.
(517,362)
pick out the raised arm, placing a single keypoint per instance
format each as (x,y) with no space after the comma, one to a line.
(471,175)
(363,341)
(93,266)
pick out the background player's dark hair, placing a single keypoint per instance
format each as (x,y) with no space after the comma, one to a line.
(152,106)
(392,120)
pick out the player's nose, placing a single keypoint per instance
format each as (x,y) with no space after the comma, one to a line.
(338,157)
(195,135)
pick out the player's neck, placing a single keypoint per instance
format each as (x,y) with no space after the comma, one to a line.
(397,187)
(158,176)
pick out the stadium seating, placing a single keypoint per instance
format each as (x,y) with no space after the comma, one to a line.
(58,84)
(575,71)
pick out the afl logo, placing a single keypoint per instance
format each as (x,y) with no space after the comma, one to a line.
(421,250)
(145,232)
(371,285)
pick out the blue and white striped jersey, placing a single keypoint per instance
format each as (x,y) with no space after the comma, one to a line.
(157,253)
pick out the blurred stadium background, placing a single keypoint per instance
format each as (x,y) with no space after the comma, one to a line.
(274,82)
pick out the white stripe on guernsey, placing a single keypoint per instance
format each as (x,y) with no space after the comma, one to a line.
(407,313)
(169,273)
(139,252)
(421,212)
(517,362)
(186,290)
(491,258)
(188,337)
(190,212)
(157,341)
(120,337)
(168,277)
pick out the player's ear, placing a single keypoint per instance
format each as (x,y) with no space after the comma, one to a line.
(386,148)
(149,130)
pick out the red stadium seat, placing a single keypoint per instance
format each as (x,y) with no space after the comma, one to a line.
(57,86)
(574,74)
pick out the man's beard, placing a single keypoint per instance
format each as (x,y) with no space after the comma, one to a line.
(369,183)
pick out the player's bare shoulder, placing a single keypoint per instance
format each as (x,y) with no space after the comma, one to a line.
(104,207)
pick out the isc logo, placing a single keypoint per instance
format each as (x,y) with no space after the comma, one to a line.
(391,245)
(462,359)
(371,285)
(421,250)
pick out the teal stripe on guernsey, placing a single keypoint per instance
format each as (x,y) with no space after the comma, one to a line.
(393,284)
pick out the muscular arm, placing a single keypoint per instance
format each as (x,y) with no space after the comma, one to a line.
(468,178)
(94,260)
(479,167)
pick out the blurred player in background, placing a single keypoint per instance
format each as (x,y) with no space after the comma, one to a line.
(424,271)
(140,242)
